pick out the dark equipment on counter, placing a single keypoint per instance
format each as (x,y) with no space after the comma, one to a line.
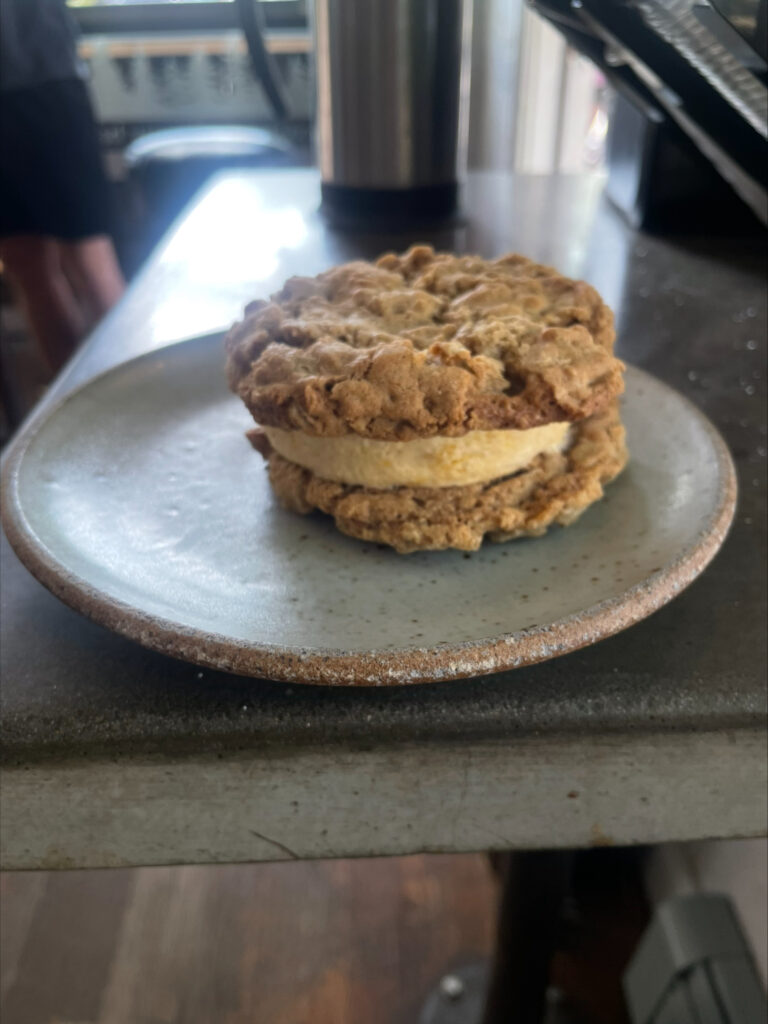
(692,106)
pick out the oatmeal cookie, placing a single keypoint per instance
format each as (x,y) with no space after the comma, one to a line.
(428,401)
(425,344)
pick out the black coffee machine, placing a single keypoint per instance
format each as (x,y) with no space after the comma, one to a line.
(688,145)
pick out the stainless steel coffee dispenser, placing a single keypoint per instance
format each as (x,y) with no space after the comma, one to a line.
(388,101)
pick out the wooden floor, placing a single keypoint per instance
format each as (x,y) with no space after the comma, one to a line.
(324,942)
(334,942)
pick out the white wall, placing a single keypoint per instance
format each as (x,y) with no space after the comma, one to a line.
(493,96)
(532,97)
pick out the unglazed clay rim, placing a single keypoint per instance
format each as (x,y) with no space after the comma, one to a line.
(330,667)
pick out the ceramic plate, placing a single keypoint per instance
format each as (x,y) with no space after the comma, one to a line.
(139,502)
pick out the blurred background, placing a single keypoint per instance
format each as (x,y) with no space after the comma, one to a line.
(537,105)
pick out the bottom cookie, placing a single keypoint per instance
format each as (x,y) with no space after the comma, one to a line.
(555,488)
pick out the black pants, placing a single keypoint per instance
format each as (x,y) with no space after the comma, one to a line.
(52,180)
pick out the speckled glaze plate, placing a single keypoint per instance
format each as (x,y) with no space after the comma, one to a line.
(139,502)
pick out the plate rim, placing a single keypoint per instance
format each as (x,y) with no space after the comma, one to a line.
(330,666)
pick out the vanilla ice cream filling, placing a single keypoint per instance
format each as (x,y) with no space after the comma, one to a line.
(473,458)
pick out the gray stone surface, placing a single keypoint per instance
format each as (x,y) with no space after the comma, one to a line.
(77,699)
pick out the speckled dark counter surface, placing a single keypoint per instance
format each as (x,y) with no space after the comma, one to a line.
(659,732)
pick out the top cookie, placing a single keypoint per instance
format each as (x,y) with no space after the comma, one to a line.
(424,344)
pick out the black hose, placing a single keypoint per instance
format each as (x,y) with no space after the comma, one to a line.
(261,59)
